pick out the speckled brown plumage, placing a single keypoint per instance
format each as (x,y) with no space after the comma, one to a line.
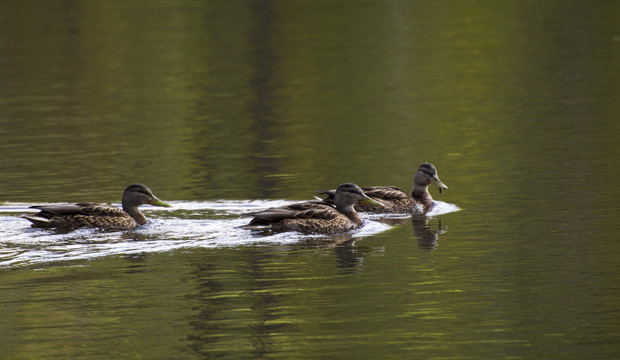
(396,200)
(308,217)
(316,216)
(97,215)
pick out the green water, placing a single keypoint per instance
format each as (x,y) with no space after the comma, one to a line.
(212,102)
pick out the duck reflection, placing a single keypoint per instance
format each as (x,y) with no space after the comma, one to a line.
(424,231)
(425,234)
(349,255)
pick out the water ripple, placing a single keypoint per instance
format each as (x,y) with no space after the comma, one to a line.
(185,225)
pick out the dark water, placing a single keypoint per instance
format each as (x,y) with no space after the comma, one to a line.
(222,107)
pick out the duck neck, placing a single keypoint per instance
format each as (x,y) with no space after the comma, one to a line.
(421,195)
(135,213)
(349,211)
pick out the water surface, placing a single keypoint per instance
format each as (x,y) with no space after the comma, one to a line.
(221,107)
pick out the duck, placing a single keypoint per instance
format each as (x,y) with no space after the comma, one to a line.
(316,217)
(395,200)
(97,215)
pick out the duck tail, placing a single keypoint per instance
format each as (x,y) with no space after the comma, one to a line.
(37,220)
(330,196)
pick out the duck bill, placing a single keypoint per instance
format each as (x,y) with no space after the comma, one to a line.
(368,201)
(439,184)
(157,202)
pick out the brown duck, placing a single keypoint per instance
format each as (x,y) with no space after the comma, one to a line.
(396,200)
(96,215)
(317,216)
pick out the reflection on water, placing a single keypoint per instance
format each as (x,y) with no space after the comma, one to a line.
(427,237)
(241,297)
(426,229)
(211,102)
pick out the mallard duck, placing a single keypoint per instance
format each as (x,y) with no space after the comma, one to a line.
(317,216)
(96,215)
(396,200)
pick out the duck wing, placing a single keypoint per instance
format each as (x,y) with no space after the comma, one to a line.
(388,193)
(106,210)
(393,199)
(305,210)
(86,208)
(71,216)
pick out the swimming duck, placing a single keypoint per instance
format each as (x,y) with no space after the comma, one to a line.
(317,216)
(396,200)
(96,215)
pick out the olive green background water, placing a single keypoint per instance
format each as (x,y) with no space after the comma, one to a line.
(515,102)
